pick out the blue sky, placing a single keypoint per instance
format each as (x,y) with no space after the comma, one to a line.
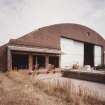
(18,17)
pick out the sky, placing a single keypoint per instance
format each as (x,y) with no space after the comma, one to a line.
(19,17)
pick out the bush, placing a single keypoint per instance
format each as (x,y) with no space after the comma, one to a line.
(75,66)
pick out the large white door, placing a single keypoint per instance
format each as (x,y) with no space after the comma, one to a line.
(73,52)
(97,55)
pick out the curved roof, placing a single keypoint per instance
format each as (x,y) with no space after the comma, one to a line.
(49,36)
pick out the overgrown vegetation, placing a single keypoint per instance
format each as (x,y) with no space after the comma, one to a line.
(67,93)
(18,88)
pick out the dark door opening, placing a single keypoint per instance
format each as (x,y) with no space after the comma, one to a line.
(89,54)
(34,60)
(41,61)
(54,60)
(19,61)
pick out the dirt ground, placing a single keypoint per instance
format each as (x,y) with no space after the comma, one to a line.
(14,91)
(95,89)
(20,89)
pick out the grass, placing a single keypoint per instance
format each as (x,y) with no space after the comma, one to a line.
(69,95)
(21,89)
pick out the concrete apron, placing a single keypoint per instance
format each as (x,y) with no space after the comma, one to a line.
(91,88)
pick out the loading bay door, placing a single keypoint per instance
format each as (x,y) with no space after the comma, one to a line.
(89,54)
(97,55)
(73,52)
(82,53)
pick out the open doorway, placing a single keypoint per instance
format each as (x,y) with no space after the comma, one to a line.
(89,54)
(54,60)
(40,60)
(19,61)
(34,60)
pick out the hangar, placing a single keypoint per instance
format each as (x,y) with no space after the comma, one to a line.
(61,45)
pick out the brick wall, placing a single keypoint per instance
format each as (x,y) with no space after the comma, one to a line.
(49,37)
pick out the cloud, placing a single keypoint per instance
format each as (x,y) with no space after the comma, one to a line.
(18,17)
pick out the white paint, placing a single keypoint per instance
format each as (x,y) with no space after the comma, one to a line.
(73,52)
(97,55)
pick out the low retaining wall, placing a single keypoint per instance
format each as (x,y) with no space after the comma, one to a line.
(89,76)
